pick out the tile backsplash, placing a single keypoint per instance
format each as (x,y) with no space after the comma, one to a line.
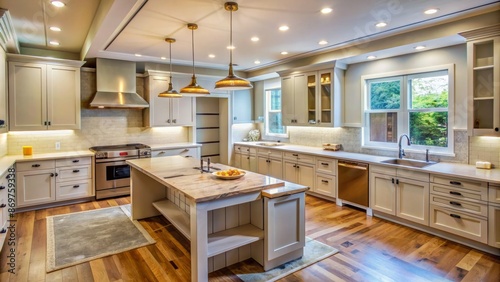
(486,149)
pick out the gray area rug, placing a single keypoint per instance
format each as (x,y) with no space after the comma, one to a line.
(314,251)
(83,236)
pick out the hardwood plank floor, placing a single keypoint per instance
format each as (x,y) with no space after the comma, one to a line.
(370,249)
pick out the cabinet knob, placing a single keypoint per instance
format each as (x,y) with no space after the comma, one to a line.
(4,230)
(2,206)
(51,175)
(496,129)
(174,120)
(2,187)
(168,120)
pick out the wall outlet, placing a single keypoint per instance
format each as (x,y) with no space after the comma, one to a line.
(58,145)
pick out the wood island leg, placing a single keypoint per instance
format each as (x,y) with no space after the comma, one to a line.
(199,242)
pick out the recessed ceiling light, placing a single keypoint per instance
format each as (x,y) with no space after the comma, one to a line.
(284,28)
(257,62)
(211,55)
(323,42)
(420,47)
(55,28)
(163,58)
(138,55)
(371,57)
(381,24)
(55,43)
(431,11)
(326,10)
(255,39)
(284,53)
(230,47)
(58,4)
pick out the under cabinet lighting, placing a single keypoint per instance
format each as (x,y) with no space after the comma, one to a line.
(381,24)
(284,53)
(163,58)
(138,55)
(326,10)
(58,4)
(323,42)
(431,11)
(55,43)
(421,47)
(257,62)
(371,57)
(55,28)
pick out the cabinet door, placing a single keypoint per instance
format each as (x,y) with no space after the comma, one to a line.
(242,106)
(182,111)
(35,187)
(27,101)
(159,111)
(306,175)
(326,185)
(325,98)
(284,224)
(382,193)
(249,163)
(237,160)
(290,172)
(63,97)
(263,165)
(287,100)
(300,99)
(494,226)
(412,200)
(275,168)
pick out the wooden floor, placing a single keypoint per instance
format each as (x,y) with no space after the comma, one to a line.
(371,249)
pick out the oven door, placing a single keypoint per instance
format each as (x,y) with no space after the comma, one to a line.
(112,175)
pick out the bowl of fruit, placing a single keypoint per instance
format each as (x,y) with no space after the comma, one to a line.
(231,173)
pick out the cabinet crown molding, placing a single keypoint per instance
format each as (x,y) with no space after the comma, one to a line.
(480,33)
(45,60)
(8,38)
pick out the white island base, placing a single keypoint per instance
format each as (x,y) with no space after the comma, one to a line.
(266,224)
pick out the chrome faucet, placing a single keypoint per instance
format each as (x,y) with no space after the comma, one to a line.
(401,150)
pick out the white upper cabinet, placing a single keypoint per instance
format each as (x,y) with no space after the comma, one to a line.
(166,111)
(483,72)
(51,99)
(294,99)
(243,106)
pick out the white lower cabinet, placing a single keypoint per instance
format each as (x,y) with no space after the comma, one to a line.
(270,167)
(299,173)
(494,216)
(326,179)
(185,152)
(35,187)
(245,158)
(400,196)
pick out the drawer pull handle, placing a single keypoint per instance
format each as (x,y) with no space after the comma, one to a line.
(295,155)
(9,176)
(3,206)
(456,193)
(392,180)
(76,186)
(455,203)
(324,181)
(75,161)
(455,183)
(76,170)
(35,165)
(3,231)
(2,187)
(324,164)
(455,216)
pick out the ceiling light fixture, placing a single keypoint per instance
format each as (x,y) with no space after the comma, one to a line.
(371,57)
(255,39)
(232,82)
(381,24)
(284,53)
(58,4)
(55,28)
(284,28)
(193,87)
(211,55)
(431,11)
(323,42)
(55,43)
(257,62)
(326,10)
(170,92)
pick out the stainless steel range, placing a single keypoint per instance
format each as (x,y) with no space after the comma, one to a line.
(112,173)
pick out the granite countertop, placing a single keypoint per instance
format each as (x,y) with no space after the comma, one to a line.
(442,168)
(181,173)
(174,146)
(9,160)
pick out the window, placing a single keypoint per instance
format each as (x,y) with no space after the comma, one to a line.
(415,103)
(274,123)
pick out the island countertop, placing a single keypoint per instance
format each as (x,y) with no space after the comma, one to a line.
(184,175)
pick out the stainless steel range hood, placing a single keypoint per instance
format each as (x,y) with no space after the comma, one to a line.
(116,87)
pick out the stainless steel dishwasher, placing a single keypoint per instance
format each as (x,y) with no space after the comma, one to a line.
(353,182)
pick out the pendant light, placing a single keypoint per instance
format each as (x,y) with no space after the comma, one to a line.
(170,92)
(193,87)
(232,82)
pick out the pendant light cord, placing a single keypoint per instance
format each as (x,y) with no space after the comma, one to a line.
(192,48)
(170,55)
(231,38)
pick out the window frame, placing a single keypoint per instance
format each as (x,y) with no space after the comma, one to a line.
(405,110)
(267,110)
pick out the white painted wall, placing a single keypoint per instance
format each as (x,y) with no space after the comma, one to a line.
(353,104)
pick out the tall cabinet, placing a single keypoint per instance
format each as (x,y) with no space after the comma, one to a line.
(312,97)
(51,99)
(483,64)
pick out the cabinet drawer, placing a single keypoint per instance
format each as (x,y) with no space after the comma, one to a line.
(458,223)
(406,173)
(326,185)
(460,183)
(35,165)
(459,193)
(327,166)
(494,194)
(303,158)
(73,173)
(460,205)
(73,189)
(245,150)
(73,161)
(186,152)
(383,169)
(270,153)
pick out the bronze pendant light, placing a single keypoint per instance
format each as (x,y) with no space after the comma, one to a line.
(232,82)
(193,87)
(170,92)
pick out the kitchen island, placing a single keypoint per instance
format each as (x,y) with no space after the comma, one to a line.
(226,221)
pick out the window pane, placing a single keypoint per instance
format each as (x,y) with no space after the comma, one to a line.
(275,123)
(429,92)
(429,128)
(275,100)
(385,95)
(384,127)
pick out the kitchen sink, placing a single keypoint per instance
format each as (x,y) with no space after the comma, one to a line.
(408,162)
(270,144)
